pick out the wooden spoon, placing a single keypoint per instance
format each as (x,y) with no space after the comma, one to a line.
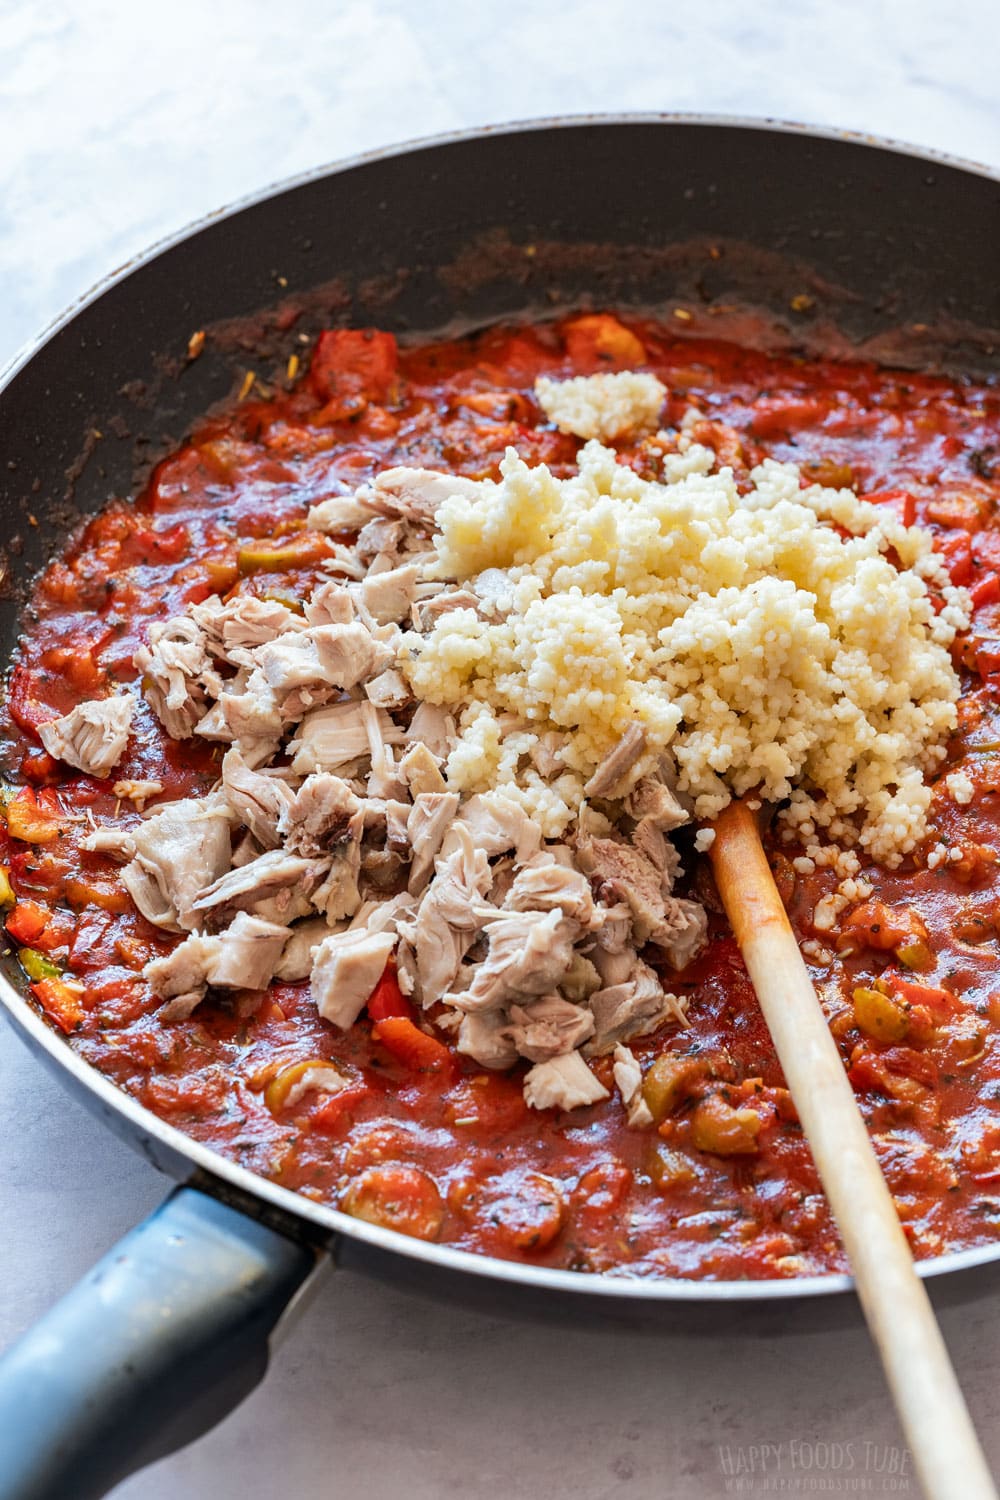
(946,1452)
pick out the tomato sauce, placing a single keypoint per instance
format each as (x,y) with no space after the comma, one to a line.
(423,1139)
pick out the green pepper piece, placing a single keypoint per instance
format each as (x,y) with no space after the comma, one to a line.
(36,965)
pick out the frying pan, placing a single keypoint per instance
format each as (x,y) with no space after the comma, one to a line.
(896,253)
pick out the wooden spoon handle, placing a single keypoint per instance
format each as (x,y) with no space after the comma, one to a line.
(946,1451)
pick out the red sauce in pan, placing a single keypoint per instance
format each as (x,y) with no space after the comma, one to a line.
(443,1149)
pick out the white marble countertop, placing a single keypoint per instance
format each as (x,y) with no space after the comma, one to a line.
(120,123)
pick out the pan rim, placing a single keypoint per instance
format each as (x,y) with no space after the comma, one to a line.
(685,119)
(610,1287)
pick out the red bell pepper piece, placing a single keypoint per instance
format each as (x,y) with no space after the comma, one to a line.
(413,1047)
(985,591)
(27,922)
(387,999)
(955,550)
(338,1108)
(60,1001)
(937,1000)
(359,362)
(901,501)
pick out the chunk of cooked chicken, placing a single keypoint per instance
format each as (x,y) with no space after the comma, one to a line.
(427,612)
(329,604)
(337,656)
(562,1083)
(649,839)
(241,624)
(628,1077)
(184,971)
(346,968)
(633,1008)
(545,885)
(381,537)
(243,957)
(434,727)
(259,879)
(430,817)
(258,801)
(338,895)
(548,1027)
(652,798)
(389,595)
(496,824)
(340,513)
(414,494)
(246,713)
(173,666)
(115,843)
(682,933)
(247,953)
(529,952)
(485,1037)
(622,873)
(421,771)
(612,777)
(297,956)
(388,690)
(179,851)
(331,737)
(92,737)
(319,815)
(452,911)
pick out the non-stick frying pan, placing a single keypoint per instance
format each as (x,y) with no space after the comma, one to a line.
(897,253)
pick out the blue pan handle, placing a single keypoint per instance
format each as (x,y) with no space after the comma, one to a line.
(165,1336)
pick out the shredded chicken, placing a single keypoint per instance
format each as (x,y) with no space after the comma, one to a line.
(431,815)
(613,773)
(652,798)
(628,1077)
(296,959)
(319,815)
(341,833)
(562,1083)
(265,877)
(543,884)
(451,913)
(92,737)
(172,667)
(632,1008)
(414,494)
(333,737)
(346,969)
(496,825)
(683,932)
(244,956)
(388,595)
(242,624)
(179,852)
(257,800)
(434,727)
(421,771)
(548,1027)
(529,953)
(623,873)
